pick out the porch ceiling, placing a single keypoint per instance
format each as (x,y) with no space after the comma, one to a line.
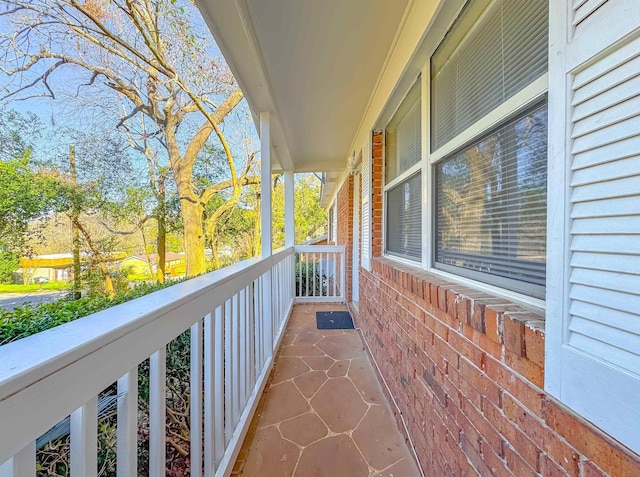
(312,64)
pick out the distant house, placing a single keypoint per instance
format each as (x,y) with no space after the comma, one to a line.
(139,264)
(56,266)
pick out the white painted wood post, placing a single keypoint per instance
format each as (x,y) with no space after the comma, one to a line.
(265,217)
(84,439)
(265,184)
(157,412)
(127,428)
(289,208)
(23,464)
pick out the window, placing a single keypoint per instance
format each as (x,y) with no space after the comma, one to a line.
(404,237)
(403,136)
(491,205)
(333,225)
(402,177)
(489,145)
(491,53)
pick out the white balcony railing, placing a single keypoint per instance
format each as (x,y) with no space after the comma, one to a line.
(320,273)
(236,317)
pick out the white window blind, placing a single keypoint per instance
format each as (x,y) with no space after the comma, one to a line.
(593,354)
(366,208)
(492,52)
(402,136)
(404,219)
(491,206)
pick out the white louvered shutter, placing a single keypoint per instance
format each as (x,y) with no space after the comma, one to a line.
(593,297)
(366,205)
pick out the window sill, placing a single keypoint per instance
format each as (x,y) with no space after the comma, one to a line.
(502,327)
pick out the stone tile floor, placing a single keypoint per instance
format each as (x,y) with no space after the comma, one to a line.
(323,412)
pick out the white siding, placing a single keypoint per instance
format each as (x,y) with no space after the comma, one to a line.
(593,327)
(366,204)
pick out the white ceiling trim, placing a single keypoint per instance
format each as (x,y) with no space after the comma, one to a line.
(233,31)
(319,43)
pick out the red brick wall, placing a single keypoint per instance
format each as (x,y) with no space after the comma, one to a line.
(467,372)
(376,194)
(345,228)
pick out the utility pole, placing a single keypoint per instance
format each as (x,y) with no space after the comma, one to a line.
(75,233)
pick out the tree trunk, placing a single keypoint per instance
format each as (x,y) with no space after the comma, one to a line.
(193,237)
(146,251)
(75,233)
(162,249)
(214,252)
(257,232)
(161,241)
(108,283)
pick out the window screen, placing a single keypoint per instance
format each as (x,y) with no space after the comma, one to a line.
(404,224)
(403,136)
(478,67)
(491,206)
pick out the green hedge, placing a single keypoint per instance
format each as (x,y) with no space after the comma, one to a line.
(29,319)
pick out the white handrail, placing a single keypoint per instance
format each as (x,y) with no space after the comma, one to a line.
(47,376)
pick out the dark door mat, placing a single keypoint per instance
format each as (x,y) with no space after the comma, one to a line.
(334,320)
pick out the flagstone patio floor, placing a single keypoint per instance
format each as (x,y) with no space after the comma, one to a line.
(323,413)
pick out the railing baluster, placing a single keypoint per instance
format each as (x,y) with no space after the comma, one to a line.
(217,391)
(196,399)
(242,348)
(321,274)
(343,291)
(249,341)
(274,310)
(298,283)
(209,389)
(157,411)
(84,439)
(127,425)
(257,314)
(306,271)
(277,294)
(228,356)
(315,258)
(335,274)
(252,334)
(22,464)
(236,360)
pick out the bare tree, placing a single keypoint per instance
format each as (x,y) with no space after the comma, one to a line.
(152,56)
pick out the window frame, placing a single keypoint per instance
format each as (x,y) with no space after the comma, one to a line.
(525,99)
(518,286)
(403,177)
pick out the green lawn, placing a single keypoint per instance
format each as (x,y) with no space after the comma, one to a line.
(52,286)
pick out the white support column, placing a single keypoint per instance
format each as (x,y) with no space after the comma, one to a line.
(265,184)
(265,217)
(289,206)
